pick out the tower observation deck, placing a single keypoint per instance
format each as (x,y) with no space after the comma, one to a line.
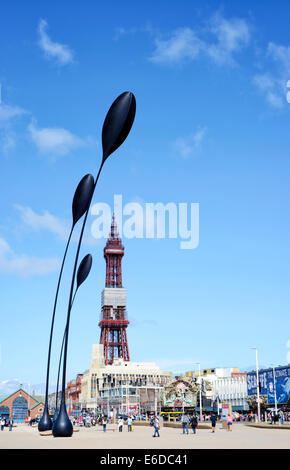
(114,320)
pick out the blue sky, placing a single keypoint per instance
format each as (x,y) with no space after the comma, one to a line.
(212,126)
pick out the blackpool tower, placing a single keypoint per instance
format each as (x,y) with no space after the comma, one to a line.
(114,320)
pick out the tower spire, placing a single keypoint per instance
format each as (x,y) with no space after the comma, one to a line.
(113,254)
(114,231)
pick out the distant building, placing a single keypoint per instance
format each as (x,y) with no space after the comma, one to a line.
(180,394)
(73,390)
(223,384)
(126,386)
(231,390)
(20,405)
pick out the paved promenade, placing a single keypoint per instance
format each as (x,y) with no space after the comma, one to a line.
(242,437)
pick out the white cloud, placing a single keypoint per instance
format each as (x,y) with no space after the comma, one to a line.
(281,54)
(8,115)
(23,265)
(274,85)
(53,50)
(53,224)
(54,140)
(272,88)
(46,221)
(232,35)
(186,146)
(183,44)
(229,37)
(8,112)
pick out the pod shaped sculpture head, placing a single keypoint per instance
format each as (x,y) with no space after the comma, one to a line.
(118,123)
(84,269)
(82,197)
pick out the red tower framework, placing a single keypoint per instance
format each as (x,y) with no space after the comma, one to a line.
(114,320)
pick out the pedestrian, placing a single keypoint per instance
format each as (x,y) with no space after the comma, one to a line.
(104,423)
(184,420)
(129,422)
(156,427)
(213,422)
(10,424)
(229,422)
(2,424)
(120,424)
(194,423)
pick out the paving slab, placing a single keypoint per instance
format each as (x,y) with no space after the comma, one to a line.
(241,437)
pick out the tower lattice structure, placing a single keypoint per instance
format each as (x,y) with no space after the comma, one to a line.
(114,320)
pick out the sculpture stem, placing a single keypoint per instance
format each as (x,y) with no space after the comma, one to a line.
(71,291)
(60,358)
(53,317)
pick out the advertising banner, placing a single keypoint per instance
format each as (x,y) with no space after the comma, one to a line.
(266,379)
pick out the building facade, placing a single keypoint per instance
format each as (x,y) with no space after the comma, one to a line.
(222,384)
(124,386)
(73,390)
(20,405)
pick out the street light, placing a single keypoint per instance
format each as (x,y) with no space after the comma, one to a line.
(200,398)
(258,390)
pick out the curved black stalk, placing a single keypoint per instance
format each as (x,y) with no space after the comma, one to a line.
(45,423)
(60,359)
(62,427)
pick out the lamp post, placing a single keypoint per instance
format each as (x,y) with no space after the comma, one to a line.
(258,389)
(275,394)
(182,402)
(200,396)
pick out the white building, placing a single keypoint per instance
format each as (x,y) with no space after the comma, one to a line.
(231,390)
(124,386)
(224,384)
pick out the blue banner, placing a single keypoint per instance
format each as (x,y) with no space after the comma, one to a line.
(266,379)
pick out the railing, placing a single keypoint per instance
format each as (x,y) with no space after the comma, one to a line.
(114,316)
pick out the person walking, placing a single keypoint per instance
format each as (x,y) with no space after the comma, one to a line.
(120,424)
(104,423)
(213,422)
(156,427)
(194,423)
(129,422)
(2,424)
(10,424)
(229,422)
(184,421)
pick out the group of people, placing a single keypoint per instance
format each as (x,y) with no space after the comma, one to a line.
(129,424)
(192,420)
(5,422)
(274,418)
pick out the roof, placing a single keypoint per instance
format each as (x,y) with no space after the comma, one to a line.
(16,391)
(36,404)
